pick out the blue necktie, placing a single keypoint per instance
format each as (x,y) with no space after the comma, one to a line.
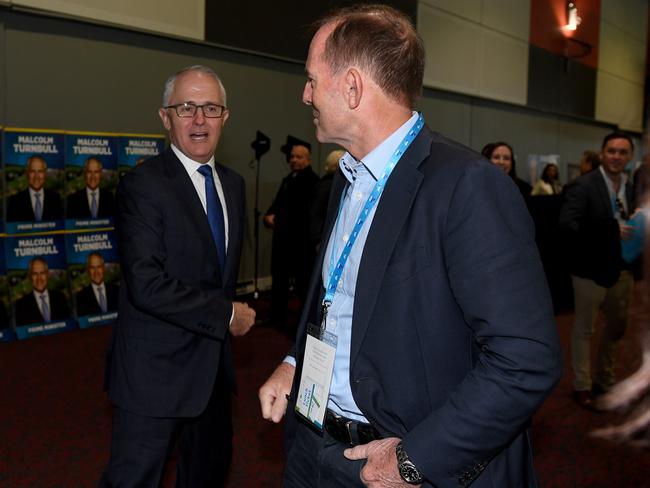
(38,207)
(93,204)
(45,309)
(102,299)
(215,213)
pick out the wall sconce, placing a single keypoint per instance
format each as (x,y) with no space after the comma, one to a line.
(573,21)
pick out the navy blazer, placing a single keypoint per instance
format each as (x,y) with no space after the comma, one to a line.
(453,343)
(27,311)
(592,233)
(77,205)
(19,207)
(175,302)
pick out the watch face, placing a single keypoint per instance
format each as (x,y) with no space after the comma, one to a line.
(410,474)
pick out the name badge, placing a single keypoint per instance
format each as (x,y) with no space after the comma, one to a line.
(316,377)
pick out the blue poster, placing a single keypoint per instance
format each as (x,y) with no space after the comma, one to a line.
(91,180)
(36,272)
(135,148)
(34,180)
(94,276)
(6,331)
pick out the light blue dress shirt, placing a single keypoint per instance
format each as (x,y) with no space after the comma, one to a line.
(362,176)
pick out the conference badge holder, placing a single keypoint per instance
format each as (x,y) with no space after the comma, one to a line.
(318,365)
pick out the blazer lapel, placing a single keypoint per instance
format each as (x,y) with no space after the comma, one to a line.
(184,186)
(392,210)
(234,222)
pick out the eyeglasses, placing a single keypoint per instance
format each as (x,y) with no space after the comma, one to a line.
(621,209)
(188,109)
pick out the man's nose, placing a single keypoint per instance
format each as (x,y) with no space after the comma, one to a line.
(306,94)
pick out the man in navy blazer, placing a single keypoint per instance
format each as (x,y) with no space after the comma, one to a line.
(170,364)
(41,304)
(91,202)
(35,203)
(594,219)
(446,343)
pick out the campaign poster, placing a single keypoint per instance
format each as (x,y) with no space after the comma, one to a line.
(6,330)
(38,283)
(34,180)
(2,184)
(94,275)
(90,179)
(134,149)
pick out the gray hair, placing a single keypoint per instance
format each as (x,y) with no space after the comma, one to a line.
(169,84)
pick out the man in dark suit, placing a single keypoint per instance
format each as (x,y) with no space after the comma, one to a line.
(593,219)
(98,297)
(292,255)
(35,203)
(91,202)
(445,338)
(180,227)
(41,305)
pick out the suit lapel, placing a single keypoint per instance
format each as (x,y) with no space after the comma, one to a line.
(234,221)
(182,184)
(392,210)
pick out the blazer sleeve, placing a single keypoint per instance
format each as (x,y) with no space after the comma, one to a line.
(180,300)
(496,277)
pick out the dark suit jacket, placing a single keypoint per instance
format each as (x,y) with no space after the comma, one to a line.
(87,302)
(453,342)
(591,232)
(27,311)
(175,303)
(291,207)
(77,205)
(19,207)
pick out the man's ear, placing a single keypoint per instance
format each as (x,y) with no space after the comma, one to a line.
(353,87)
(164,116)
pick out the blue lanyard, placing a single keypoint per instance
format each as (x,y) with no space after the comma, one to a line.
(337,271)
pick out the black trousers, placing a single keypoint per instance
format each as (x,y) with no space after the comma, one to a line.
(140,445)
(318,462)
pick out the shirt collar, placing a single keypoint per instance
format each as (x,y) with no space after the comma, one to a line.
(610,183)
(375,161)
(190,165)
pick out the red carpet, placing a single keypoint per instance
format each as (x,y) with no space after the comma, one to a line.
(55,420)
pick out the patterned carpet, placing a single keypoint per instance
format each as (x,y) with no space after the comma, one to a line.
(55,420)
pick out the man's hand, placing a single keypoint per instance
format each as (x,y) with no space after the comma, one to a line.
(269,221)
(380,470)
(627,231)
(242,320)
(273,394)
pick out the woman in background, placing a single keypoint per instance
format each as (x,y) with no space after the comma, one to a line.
(501,154)
(549,182)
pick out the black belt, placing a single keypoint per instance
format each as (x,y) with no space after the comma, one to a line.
(348,431)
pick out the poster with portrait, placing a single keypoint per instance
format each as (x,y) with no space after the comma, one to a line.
(90,179)
(33,180)
(6,330)
(134,149)
(38,283)
(94,276)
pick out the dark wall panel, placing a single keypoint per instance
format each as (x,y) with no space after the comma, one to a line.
(279,28)
(559,84)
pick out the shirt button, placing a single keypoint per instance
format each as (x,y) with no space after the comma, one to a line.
(358,195)
(345,237)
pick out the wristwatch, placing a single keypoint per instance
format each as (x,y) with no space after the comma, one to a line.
(407,469)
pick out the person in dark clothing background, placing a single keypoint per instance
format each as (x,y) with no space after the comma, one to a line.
(321,196)
(288,216)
